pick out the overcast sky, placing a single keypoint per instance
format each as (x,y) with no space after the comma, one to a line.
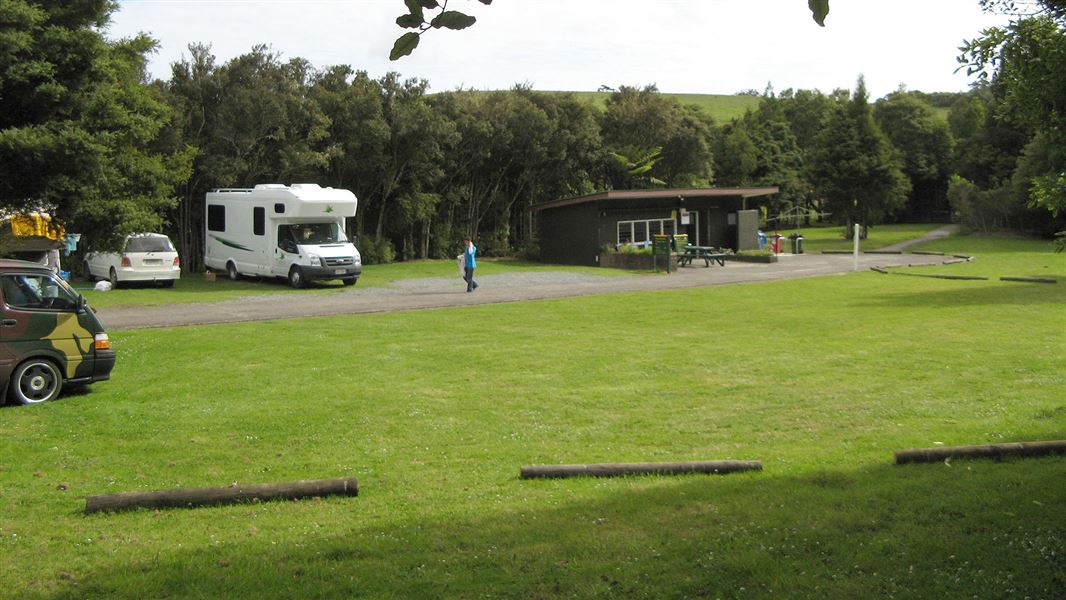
(682,46)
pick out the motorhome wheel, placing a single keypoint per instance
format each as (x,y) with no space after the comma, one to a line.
(296,277)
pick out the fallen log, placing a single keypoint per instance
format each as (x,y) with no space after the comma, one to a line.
(927,252)
(187,497)
(959,277)
(719,467)
(1030,279)
(1026,449)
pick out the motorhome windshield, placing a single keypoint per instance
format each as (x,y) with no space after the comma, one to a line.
(312,233)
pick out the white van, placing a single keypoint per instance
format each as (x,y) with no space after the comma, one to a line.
(272,230)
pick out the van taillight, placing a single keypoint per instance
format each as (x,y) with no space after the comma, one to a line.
(177,261)
(101,341)
(126,261)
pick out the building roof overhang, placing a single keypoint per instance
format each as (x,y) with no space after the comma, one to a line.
(659,196)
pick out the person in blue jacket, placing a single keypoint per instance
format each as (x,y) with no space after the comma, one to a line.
(470,262)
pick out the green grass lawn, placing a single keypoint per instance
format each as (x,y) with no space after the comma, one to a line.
(820,238)
(193,288)
(435,411)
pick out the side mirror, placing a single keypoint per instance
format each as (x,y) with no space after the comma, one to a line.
(81,304)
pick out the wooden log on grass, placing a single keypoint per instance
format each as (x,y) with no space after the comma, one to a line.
(718,467)
(259,492)
(1030,279)
(1026,449)
(934,276)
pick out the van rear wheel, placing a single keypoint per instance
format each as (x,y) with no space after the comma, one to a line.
(36,380)
(296,278)
(113,278)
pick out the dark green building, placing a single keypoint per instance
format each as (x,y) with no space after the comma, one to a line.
(573,230)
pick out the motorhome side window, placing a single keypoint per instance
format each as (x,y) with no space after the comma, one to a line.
(216,217)
(258,220)
(36,292)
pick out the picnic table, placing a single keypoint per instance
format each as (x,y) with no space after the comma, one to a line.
(707,254)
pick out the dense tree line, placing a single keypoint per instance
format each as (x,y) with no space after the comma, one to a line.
(85,135)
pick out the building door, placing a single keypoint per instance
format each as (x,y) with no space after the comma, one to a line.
(693,228)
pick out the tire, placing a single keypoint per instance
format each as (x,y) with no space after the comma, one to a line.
(349,280)
(167,283)
(231,271)
(296,278)
(36,380)
(86,273)
(113,278)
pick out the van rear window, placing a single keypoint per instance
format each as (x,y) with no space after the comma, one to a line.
(149,244)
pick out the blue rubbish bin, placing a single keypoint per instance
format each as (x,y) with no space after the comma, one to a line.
(762,239)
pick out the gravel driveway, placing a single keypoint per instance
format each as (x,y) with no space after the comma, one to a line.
(414,294)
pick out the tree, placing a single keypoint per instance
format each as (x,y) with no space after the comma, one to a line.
(927,148)
(855,167)
(638,123)
(737,157)
(79,130)
(1027,64)
(251,121)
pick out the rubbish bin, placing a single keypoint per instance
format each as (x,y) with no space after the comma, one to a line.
(762,239)
(797,243)
(775,243)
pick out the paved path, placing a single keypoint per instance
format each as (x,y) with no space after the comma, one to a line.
(513,287)
(936,234)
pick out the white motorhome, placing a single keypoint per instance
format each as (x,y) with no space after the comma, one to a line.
(272,230)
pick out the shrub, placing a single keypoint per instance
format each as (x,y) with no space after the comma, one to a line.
(376,252)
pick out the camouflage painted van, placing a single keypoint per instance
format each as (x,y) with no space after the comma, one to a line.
(49,336)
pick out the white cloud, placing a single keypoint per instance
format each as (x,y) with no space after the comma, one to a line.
(692,46)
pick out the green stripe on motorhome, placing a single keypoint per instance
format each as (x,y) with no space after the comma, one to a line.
(231,244)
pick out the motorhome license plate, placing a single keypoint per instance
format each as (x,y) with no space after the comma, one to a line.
(338,271)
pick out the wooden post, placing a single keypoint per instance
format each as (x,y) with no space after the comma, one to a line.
(184,497)
(1026,449)
(720,467)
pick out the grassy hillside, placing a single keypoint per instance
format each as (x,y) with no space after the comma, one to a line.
(722,108)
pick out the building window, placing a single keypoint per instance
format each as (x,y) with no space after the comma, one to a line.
(641,232)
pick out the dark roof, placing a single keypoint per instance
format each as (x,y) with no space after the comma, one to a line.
(660,194)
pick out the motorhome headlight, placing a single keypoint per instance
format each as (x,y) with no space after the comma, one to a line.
(314,259)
